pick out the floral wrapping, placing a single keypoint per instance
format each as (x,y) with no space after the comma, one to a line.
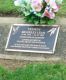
(40,8)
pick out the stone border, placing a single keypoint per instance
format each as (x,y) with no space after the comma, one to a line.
(15,57)
(18,20)
(11,20)
(14,20)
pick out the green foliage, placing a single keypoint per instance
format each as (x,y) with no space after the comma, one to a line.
(25,7)
(35,72)
(62,11)
(37,20)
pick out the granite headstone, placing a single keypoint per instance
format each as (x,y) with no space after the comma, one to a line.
(31,38)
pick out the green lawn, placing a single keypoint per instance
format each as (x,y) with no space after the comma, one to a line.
(62,11)
(7,7)
(35,72)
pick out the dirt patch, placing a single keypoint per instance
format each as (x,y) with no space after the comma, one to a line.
(10,14)
(13,64)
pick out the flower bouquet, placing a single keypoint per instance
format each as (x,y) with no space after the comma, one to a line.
(39,11)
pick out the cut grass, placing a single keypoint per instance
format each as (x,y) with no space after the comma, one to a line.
(35,72)
(7,7)
(62,11)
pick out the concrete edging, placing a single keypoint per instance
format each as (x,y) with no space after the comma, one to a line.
(15,57)
(10,20)
(14,20)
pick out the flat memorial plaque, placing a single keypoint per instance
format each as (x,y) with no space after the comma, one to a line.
(31,38)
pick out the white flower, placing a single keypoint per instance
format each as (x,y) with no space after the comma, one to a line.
(17,2)
(36,5)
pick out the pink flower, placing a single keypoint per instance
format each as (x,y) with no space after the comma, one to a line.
(53,5)
(48,14)
(56,9)
(36,5)
(17,2)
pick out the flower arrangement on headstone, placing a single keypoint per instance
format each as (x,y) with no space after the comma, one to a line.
(39,11)
(35,38)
